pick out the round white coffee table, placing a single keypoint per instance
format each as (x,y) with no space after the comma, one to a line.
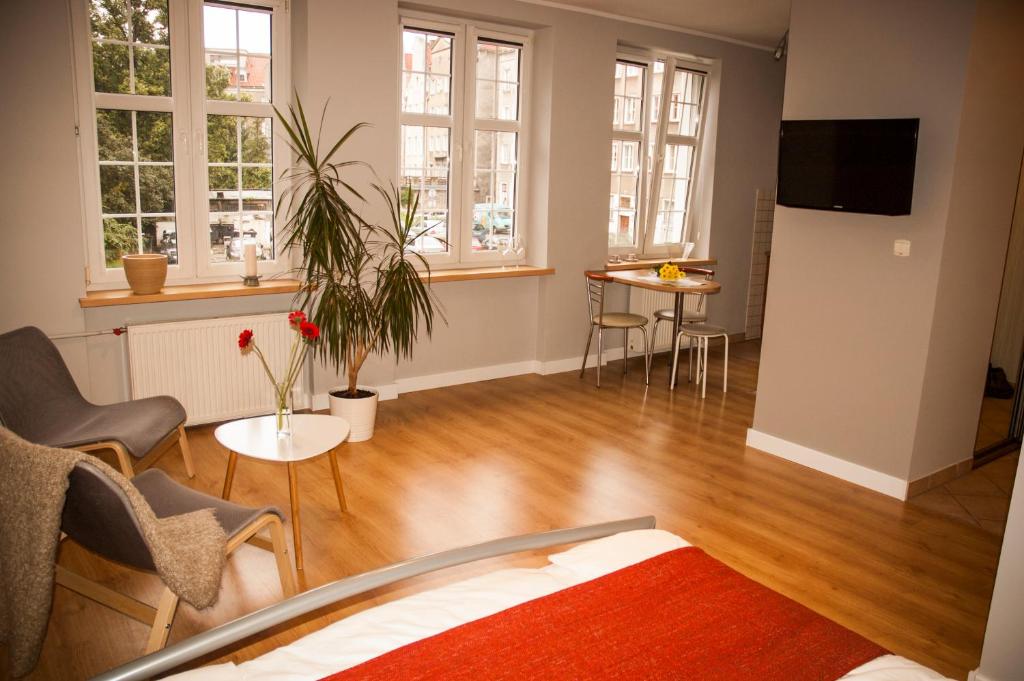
(312,435)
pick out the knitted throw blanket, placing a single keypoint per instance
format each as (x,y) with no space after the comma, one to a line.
(188,550)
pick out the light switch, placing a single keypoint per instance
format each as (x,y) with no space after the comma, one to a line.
(901,247)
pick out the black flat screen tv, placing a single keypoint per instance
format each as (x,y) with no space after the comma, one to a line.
(857,166)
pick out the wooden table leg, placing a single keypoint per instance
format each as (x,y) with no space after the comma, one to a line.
(229,476)
(333,456)
(293,494)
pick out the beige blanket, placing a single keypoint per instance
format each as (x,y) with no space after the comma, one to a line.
(188,550)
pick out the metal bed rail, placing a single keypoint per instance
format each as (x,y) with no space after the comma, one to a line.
(192,648)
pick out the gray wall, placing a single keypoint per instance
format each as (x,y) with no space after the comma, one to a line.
(348,51)
(872,358)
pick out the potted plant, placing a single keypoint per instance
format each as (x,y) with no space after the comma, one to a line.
(362,286)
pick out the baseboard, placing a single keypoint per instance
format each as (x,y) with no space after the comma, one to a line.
(391,391)
(828,464)
(939,477)
(978,676)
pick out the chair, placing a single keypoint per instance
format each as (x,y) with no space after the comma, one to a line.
(602,320)
(698,315)
(702,333)
(40,402)
(98,515)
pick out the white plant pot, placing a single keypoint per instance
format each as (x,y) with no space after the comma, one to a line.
(360,412)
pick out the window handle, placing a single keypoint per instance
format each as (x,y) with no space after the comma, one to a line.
(200,141)
(183,137)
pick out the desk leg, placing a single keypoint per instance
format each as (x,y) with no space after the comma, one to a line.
(229,476)
(333,455)
(293,494)
(677,309)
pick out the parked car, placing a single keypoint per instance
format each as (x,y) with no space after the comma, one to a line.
(492,224)
(235,250)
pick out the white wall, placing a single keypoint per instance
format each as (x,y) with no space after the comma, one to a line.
(347,51)
(1002,656)
(868,357)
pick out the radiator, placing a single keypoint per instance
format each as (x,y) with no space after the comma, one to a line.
(199,363)
(645,302)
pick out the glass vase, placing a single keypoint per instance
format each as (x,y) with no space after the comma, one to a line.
(283,411)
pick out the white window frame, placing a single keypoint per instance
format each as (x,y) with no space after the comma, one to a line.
(651,169)
(463,124)
(191,206)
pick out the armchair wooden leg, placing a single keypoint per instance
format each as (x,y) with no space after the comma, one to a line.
(284,563)
(162,622)
(124,459)
(186,451)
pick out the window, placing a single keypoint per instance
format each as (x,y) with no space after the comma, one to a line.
(653,160)
(176,124)
(461,134)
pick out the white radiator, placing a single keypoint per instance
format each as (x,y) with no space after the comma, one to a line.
(199,363)
(645,302)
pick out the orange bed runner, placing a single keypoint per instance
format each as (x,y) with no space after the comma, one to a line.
(679,615)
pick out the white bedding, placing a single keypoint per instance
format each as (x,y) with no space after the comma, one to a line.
(378,630)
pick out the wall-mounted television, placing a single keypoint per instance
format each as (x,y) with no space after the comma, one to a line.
(857,166)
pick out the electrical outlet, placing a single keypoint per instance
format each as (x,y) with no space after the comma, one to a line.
(901,247)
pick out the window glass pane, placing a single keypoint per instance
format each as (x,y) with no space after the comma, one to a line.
(120,236)
(684,108)
(114,135)
(155,135)
(117,188)
(160,235)
(241,195)
(497,81)
(152,71)
(426,72)
(673,194)
(110,68)
(628,98)
(149,21)
(238,53)
(156,189)
(494,188)
(109,19)
(425,164)
(624,200)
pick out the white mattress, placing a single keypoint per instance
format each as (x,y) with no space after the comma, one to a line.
(379,630)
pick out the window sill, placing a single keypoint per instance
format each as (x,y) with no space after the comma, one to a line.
(651,262)
(190,292)
(274,286)
(441,276)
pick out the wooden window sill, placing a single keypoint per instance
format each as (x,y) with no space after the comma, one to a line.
(471,274)
(274,286)
(190,292)
(651,262)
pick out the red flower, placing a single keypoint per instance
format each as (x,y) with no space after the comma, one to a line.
(309,331)
(245,339)
(296,318)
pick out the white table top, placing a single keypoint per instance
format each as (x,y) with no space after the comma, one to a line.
(312,435)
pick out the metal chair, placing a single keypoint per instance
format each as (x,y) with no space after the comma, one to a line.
(696,316)
(602,320)
(98,515)
(702,334)
(40,402)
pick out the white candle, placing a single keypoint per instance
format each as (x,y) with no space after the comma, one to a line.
(250,259)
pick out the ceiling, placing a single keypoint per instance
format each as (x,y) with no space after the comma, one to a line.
(761,22)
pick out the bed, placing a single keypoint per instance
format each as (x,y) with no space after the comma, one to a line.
(390,640)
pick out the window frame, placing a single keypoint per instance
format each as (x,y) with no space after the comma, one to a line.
(191,205)
(464,125)
(652,166)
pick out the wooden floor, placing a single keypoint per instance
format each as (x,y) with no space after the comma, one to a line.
(464,464)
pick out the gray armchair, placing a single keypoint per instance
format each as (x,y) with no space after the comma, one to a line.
(99,516)
(40,402)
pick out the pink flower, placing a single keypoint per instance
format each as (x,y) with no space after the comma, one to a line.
(245,339)
(296,318)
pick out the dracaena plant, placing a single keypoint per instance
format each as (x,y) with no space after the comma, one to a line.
(365,286)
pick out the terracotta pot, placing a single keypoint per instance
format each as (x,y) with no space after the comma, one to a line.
(146,272)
